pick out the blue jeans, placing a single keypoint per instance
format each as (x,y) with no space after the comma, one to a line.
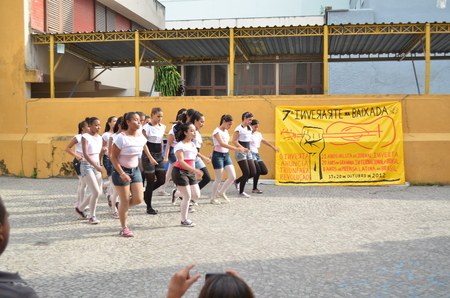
(134,173)
(221,160)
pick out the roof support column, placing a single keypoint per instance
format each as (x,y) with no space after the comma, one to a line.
(137,63)
(52,66)
(427,57)
(325,60)
(231,68)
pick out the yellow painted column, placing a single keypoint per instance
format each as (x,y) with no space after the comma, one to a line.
(427,57)
(231,69)
(136,64)
(52,66)
(325,60)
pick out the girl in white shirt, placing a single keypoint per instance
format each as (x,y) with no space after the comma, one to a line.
(91,169)
(221,158)
(109,127)
(126,176)
(255,144)
(184,172)
(242,136)
(78,156)
(154,170)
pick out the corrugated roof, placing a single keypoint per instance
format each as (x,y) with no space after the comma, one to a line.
(262,44)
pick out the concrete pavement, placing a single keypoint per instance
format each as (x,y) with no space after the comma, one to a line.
(385,241)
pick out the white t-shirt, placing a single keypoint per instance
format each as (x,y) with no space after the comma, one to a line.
(255,143)
(198,141)
(245,134)
(94,146)
(78,146)
(105,136)
(155,133)
(225,136)
(130,149)
(189,149)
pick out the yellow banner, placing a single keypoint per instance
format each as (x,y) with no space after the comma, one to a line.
(340,145)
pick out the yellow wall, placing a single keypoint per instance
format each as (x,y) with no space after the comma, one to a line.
(12,87)
(53,122)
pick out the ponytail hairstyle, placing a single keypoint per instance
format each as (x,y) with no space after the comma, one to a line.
(180,114)
(247,115)
(91,120)
(187,116)
(107,126)
(118,124)
(196,116)
(225,118)
(81,125)
(182,128)
(127,117)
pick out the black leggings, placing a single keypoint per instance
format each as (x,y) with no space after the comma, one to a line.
(261,169)
(154,180)
(248,171)
(206,178)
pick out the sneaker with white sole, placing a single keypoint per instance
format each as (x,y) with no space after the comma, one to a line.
(126,232)
(187,223)
(215,202)
(224,196)
(244,195)
(93,220)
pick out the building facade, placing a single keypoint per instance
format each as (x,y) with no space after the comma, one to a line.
(76,76)
(404,76)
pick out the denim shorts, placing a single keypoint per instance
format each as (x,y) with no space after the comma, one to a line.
(134,173)
(108,165)
(221,160)
(148,167)
(182,177)
(256,156)
(86,168)
(199,164)
(243,156)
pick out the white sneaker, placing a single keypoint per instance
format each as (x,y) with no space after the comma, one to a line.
(187,223)
(224,196)
(215,202)
(244,195)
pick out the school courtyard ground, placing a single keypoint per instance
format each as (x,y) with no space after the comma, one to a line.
(381,241)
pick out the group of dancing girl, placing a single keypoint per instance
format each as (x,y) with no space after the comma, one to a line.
(140,158)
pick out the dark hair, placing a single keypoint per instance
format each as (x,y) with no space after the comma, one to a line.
(118,124)
(91,120)
(254,122)
(247,115)
(140,114)
(225,286)
(180,114)
(126,117)
(225,118)
(196,117)
(179,129)
(2,211)
(107,127)
(188,114)
(81,125)
(155,110)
